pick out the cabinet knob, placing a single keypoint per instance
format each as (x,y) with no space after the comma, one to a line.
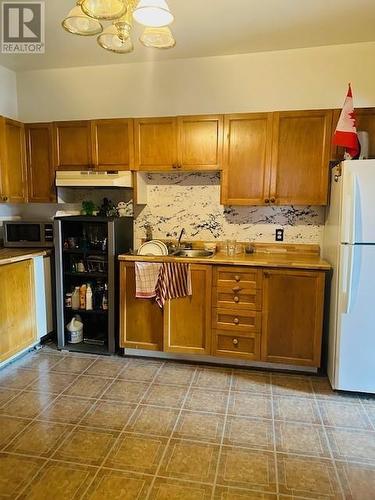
(174,165)
(272,200)
(237,278)
(266,200)
(236,321)
(236,299)
(179,165)
(235,341)
(236,289)
(4,198)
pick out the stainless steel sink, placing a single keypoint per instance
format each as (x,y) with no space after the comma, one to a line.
(187,252)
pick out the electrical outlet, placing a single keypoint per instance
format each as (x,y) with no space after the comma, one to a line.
(279,236)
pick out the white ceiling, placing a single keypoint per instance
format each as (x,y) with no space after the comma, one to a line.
(214,27)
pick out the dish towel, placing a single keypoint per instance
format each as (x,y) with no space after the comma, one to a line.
(146,279)
(174,282)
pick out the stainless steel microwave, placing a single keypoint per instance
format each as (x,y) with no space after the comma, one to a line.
(20,234)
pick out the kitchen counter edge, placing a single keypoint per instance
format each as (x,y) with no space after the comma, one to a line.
(258,259)
(12,255)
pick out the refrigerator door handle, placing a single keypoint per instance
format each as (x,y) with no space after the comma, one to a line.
(350,206)
(349,277)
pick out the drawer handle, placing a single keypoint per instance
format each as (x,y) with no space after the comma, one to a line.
(235,341)
(236,289)
(236,299)
(237,278)
(236,321)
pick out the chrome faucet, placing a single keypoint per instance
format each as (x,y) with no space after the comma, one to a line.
(180,237)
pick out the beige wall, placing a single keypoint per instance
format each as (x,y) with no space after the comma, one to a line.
(293,79)
(8,93)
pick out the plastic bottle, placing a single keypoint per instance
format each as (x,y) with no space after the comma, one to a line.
(75,298)
(89,298)
(105,298)
(82,297)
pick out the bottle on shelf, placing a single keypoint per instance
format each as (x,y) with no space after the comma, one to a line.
(105,298)
(82,297)
(75,298)
(88,298)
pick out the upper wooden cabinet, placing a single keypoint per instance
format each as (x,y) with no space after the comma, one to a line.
(277,158)
(292,316)
(112,144)
(200,140)
(247,156)
(41,174)
(155,143)
(141,320)
(183,143)
(301,148)
(12,161)
(72,145)
(187,320)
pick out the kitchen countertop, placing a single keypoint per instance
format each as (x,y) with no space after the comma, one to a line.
(11,255)
(257,259)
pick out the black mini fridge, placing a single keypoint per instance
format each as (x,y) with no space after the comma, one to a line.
(86,251)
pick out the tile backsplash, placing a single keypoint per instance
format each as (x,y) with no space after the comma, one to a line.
(192,201)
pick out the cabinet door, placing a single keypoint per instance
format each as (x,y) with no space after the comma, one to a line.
(200,140)
(13,161)
(112,144)
(247,156)
(365,122)
(41,174)
(155,142)
(187,320)
(292,317)
(141,320)
(300,157)
(72,145)
(17,329)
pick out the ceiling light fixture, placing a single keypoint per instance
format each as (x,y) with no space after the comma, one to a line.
(78,23)
(158,38)
(105,10)
(153,14)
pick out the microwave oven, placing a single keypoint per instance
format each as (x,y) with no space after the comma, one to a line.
(21,234)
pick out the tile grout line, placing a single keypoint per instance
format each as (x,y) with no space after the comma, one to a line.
(329,447)
(274,438)
(372,423)
(196,368)
(223,435)
(122,431)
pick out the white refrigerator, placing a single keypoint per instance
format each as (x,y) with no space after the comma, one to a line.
(349,245)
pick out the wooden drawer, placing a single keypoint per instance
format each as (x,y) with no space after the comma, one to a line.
(236,346)
(237,297)
(236,320)
(229,276)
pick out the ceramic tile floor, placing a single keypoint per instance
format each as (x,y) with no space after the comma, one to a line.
(85,427)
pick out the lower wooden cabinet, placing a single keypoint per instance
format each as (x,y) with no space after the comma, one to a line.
(278,318)
(292,317)
(187,321)
(141,320)
(17,329)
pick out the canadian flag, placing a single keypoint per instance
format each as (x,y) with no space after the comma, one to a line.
(346,132)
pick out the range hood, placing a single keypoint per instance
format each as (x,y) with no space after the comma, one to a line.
(94,179)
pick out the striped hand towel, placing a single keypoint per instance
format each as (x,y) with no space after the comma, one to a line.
(146,278)
(174,282)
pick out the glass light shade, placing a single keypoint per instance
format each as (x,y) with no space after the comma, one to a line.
(124,25)
(153,13)
(110,40)
(158,38)
(104,9)
(78,23)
